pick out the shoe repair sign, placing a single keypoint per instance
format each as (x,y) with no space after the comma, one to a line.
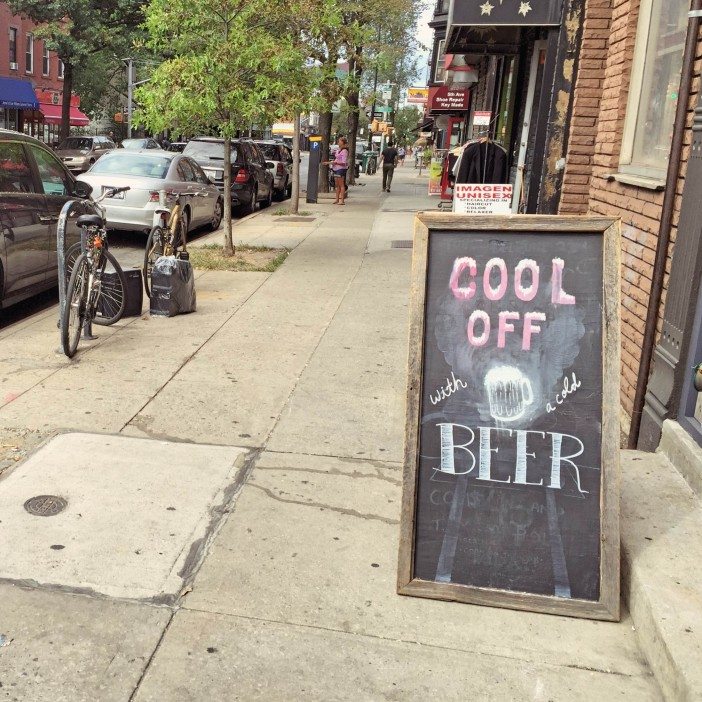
(510,489)
(482,198)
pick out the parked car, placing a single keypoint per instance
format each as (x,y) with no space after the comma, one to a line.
(80,152)
(279,161)
(177,146)
(152,176)
(252,182)
(34,187)
(137,144)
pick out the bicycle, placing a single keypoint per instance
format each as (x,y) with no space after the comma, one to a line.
(96,283)
(171,241)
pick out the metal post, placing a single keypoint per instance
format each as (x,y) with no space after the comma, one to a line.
(295,204)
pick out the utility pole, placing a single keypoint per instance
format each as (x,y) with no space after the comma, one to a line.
(130,95)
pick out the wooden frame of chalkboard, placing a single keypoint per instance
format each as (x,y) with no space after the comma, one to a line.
(604,604)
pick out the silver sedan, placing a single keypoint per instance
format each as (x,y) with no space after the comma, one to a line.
(154,177)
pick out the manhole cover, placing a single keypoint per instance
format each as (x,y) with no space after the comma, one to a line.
(45,505)
(401,244)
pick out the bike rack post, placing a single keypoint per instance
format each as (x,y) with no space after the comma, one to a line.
(61,252)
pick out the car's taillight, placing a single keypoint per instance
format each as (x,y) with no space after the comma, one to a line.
(154,196)
(242,176)
(280,169)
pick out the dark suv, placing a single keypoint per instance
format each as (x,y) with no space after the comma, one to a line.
(252,182)
(34,187)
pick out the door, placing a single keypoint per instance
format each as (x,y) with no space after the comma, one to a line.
(206,188)
(24,226)
(57,185)
(197,204)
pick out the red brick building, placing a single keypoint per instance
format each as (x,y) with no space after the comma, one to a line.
(28,68)
(631,72)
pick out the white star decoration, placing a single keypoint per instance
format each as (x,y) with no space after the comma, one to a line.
(524,8)
(486,8)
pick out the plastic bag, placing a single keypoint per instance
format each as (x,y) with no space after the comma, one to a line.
(172,287)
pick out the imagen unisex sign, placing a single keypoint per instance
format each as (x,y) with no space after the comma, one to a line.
(510,494)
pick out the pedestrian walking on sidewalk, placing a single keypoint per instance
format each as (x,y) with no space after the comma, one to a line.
(340,166)
(401,155)
(389,160)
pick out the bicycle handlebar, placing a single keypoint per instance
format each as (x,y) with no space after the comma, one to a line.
(111,192)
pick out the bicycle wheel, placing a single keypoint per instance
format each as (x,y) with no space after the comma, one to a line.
(154,249)
(74,311)
(112,298)
(71,257)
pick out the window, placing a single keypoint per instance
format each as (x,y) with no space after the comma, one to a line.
(52,174)
(440,71)
(29,54)
(13,48)
(15,174)
(655,81)
(45,61)
(61,68)
(200,176)
(185,171)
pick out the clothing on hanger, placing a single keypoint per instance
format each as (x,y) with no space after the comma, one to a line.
(483,161)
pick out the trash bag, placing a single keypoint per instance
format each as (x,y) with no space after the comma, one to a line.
(172,287)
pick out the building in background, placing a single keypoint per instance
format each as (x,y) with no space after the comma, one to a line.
(31,81)
(596,105)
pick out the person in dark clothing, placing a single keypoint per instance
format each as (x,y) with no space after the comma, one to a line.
(389,160)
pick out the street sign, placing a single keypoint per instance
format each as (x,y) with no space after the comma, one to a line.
(482,119)
(482,198)
(512,436)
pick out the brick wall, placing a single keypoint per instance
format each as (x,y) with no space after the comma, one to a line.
(593,156)
(51,81)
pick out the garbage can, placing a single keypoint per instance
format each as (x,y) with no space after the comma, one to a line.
(370,162)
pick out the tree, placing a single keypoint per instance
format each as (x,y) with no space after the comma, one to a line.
(78,29)
(406,120)
(232,60)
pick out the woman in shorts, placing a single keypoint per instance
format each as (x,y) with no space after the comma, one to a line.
(339,166)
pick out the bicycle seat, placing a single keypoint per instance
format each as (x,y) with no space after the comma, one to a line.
(90,220)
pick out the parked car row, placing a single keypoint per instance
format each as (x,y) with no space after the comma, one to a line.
(36,182)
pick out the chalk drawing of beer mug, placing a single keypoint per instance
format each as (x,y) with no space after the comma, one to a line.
(509,393)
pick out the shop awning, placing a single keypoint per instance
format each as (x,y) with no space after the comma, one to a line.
(426,126)
(17,94)
(52,115)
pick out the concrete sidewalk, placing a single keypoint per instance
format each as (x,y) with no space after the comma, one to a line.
(280,583)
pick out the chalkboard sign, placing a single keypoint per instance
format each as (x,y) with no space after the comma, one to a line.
(510,493)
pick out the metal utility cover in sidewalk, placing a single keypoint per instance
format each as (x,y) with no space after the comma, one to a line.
(137,513)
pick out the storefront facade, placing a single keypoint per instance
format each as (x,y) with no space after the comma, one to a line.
(518,62)
(31,81)
(634,138)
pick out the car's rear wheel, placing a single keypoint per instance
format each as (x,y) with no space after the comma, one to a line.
(217,215)
(251,207)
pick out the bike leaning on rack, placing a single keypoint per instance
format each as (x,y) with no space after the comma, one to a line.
(96,283)
(168,237)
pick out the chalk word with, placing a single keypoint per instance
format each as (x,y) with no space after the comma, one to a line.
(451,386)
(570,385)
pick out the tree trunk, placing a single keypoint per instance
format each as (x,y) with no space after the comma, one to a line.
(295,204)
(228,241)
(325,127)
(66,105)
(352,100)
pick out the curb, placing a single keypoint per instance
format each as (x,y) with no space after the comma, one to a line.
(661,552)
